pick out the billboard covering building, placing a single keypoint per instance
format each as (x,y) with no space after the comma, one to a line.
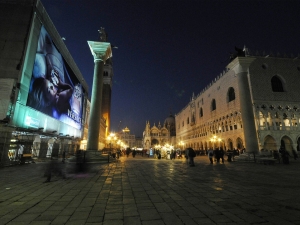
(54,89)
(43,93)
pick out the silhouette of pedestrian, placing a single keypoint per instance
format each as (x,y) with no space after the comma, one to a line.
(210,154)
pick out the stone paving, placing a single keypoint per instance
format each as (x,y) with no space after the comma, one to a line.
(149,191)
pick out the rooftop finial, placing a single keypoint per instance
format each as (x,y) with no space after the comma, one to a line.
(103,34)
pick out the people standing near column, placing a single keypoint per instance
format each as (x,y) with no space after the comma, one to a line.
(174,154)
(217,155)
(64,156)
(221,152)
(20,151)
(133,153)
(128,151)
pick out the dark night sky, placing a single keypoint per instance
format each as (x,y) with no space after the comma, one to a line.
(170,49)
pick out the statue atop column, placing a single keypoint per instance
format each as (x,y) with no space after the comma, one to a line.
(103,34)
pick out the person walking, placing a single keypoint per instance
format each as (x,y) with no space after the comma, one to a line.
(128,150)
(221,152)
(210,154)
(191,155)
(217,155)
(133,153)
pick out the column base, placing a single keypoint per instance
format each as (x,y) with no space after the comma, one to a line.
(89,156)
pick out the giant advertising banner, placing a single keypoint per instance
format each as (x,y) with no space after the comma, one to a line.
(54,89)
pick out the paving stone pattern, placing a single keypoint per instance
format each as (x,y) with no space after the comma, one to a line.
(149,191)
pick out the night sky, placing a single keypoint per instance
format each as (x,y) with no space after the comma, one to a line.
(170,49)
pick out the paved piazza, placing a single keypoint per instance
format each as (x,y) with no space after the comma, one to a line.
(149,191)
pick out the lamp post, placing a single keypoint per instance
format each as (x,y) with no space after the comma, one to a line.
(219,140)
(110,139)
(214,139)
(181,143)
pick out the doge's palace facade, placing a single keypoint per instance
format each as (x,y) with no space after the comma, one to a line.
(254,104)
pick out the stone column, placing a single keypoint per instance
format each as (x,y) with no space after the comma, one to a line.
(101,51)
(240,66)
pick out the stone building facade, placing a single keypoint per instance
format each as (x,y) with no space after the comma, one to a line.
(254,104)
(160,135)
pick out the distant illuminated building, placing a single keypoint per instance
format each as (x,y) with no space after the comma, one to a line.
(158,136)
(254,104)
(127,138)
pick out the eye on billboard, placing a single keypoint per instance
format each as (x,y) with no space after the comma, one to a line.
(54,89)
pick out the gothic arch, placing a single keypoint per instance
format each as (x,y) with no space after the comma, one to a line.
(201,112)
(298,144)
(286,143)
(239,143)
(270,143)
(277,84)
(213,105)
(230,144)
(154,142)
(230,94)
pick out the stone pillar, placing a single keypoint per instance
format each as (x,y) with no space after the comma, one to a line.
(266,121)
(240,66)
(101,51)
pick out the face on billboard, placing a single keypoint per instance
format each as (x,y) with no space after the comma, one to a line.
(54,89)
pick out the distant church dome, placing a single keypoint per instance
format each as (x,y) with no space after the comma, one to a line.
(170,121)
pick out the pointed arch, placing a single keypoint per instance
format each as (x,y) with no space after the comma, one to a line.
(230,94)
(277,84)
(213,105)
(201,112)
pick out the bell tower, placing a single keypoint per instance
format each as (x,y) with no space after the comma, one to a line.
(107,85)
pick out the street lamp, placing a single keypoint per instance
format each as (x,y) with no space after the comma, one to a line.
(219,140)
(181,143)
(214,139)
(110,138)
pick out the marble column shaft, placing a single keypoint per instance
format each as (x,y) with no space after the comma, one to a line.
(101,52)
(95,111)
(240,65)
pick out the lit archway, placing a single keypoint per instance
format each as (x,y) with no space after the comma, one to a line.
(239,143)
(270,143)
(286,143)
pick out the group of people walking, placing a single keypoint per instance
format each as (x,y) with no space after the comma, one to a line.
(217,155)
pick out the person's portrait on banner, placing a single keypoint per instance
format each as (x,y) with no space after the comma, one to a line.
(54,89)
